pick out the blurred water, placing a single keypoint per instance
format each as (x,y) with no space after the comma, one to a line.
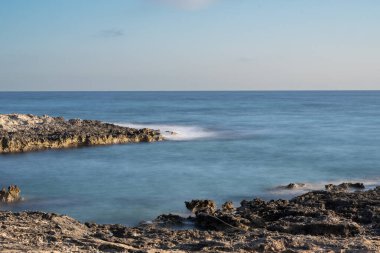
(231,145)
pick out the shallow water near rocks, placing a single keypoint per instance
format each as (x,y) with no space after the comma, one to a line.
(229,146)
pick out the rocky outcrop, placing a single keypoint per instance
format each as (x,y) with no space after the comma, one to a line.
(293,186)
(201,206)
(228,207)
(327,213)
(345,187)
(12,194)
(319,221)
(26,132)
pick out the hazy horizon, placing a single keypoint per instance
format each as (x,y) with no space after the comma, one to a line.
(252,90)
(189,45)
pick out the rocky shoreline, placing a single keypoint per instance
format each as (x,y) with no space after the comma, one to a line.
(334,220)
(27,132)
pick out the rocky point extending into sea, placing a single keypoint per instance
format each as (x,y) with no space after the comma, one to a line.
(27,132)
(340,218)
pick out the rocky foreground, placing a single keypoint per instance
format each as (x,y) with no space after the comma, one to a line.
(26,132)
(335,220)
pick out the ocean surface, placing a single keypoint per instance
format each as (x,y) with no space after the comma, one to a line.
(230,146)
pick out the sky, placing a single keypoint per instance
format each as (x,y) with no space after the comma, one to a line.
(189,45)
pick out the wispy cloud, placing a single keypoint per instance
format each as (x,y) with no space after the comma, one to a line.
(187,4)
(111,33)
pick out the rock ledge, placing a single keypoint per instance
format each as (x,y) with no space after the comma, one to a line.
(26,132)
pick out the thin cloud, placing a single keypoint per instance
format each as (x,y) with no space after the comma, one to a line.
(111,33)
(187,4)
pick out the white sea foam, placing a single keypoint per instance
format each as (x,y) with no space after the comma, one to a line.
(176,132)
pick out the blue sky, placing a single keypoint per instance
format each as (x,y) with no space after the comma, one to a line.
(189,44)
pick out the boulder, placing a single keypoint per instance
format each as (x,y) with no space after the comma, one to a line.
(201,206)
(228,207)
(10,195)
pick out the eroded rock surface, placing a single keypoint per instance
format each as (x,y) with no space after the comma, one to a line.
(201,206)
(12,194)
(26,132)
(337,213)
(320,221)
(345,187)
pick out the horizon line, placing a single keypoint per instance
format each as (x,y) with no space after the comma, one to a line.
(259,90)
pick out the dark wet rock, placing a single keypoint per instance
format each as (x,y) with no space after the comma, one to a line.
(293,186)
(21,133)
(315,213)
(170,219)
(325,228)
(12,194)
(221,221)
(201,206)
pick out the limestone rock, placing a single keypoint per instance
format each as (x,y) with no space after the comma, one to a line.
(228,207)
(345,187)
(201,206)
(26,132)
(10,195)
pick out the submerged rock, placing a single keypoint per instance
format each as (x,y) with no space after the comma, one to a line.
(171,132)
(293,186)
(26,132)
(10,195)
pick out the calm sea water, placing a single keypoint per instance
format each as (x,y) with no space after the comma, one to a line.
(230,146)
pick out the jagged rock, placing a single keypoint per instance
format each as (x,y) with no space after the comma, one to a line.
(26,132)
(345,186)
(201,206)
(228,207)
(316,213)
(10,195)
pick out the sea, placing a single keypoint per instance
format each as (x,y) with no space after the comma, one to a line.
(229,146)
